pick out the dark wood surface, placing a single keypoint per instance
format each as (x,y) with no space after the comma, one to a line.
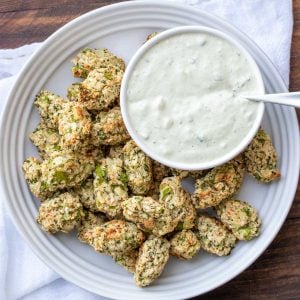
(276,274)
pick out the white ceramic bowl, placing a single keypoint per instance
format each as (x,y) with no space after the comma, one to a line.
(122,28)
(133,132)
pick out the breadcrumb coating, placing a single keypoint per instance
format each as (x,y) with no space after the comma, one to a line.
(65,170)
(90,59)
(61,213)
(85,192)
(109,128)
(73,92)
(101,88)
(219,184)
(149,215)
(240,217)
(261,158)
(214,236)
(47,140)
(118,236)
(32,173)
(178,202)
(110,186)
(88,222)
(126,260)
(152,258)
(184,244)
(74,126)
(49,105)
(138,168)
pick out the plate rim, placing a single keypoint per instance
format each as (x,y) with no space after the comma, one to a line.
(65,28)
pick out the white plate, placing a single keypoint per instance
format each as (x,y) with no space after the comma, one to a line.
(122,28)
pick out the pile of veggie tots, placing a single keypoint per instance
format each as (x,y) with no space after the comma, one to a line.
(94,178)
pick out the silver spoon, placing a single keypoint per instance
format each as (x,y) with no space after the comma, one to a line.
(291,99)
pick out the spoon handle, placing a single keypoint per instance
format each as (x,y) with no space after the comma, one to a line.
(291,99)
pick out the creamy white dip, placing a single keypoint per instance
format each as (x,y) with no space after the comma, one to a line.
(183,98)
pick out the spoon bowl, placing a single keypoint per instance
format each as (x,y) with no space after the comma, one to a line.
(290,99)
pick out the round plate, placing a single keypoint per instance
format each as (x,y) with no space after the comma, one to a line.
(122,28)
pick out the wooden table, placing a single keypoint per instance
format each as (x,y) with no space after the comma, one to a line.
(276,274)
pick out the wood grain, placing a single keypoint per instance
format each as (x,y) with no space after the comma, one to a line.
(276,274)
(295,56)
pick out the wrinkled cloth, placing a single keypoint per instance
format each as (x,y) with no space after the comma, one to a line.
(22,274)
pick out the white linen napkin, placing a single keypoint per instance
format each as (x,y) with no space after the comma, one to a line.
(22,274)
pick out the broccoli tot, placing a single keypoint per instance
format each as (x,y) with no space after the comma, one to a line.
(109,129)
(47,140)
(117,236)
(188,216)
(61,213)
(240,167)
(65,170)
(49,106)
(74,126)
(214,236)
(90,59)
(138,168)
(219,184)
(240,217)
(184,244)
(143,211)
(110,186)
(126,260)
(32,169)
(88,222)
(159,172)
(261,158)
(73,92)
(32,173)
(178,202)
(149,215)
(152,258)
(101,88)
(172,195)
(86,194)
